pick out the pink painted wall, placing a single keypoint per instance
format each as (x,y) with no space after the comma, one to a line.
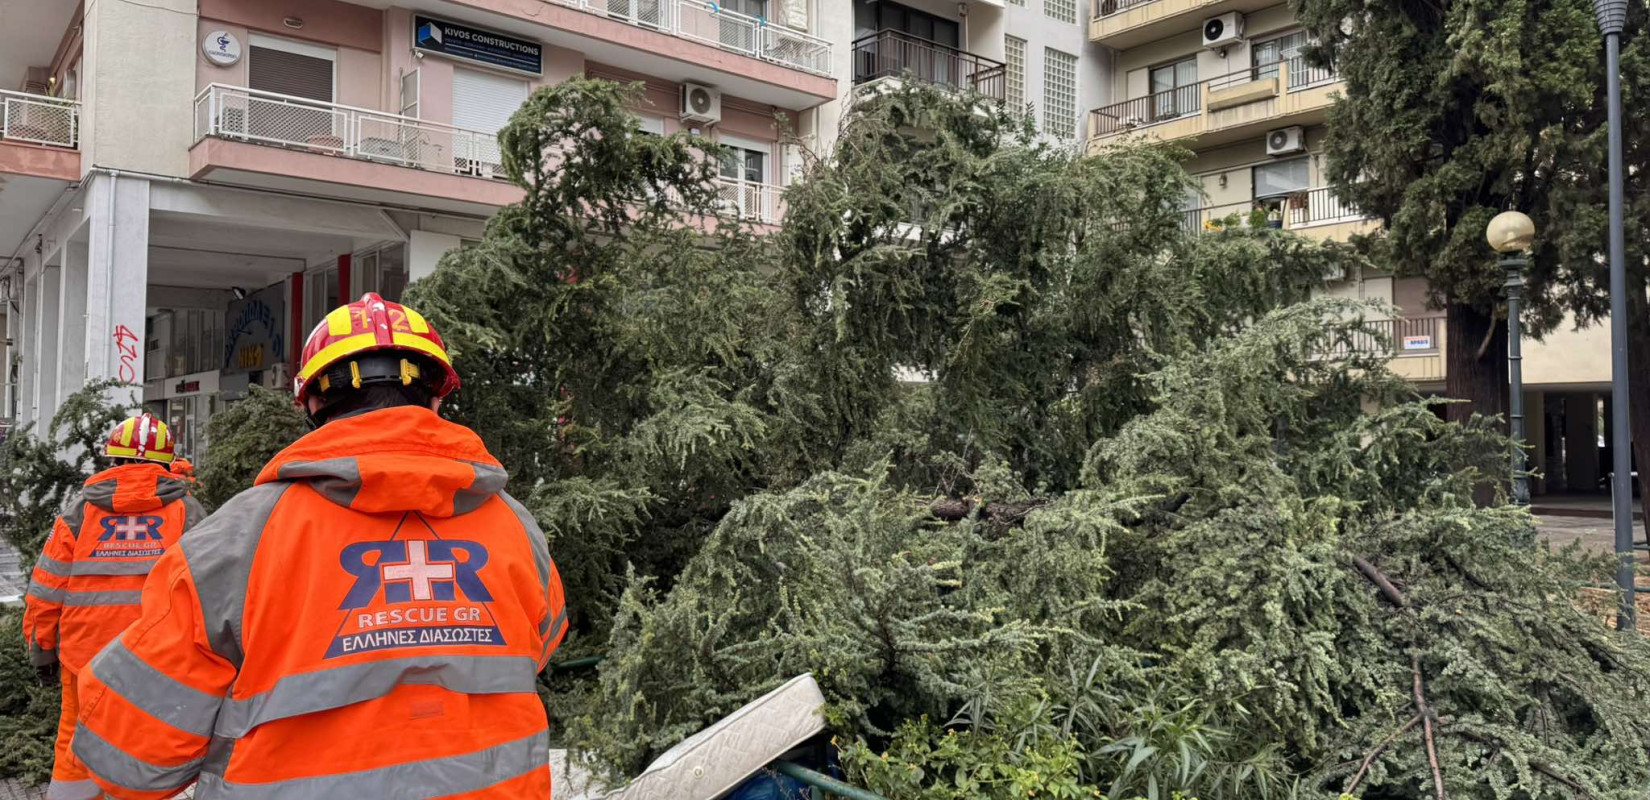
(19,158)
(436,73)
(207,72)
(359,72)
(325,21)
(741,118)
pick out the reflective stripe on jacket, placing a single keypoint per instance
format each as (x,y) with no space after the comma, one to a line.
(367,621)
(85,586)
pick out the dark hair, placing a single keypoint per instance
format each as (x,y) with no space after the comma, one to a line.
(370,398)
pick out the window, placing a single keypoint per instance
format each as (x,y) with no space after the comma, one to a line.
(744,170)
(1014,53)
(1266,55)
(1020,3)
(483,102)
(293,70)
(320,295)
(740,34)
(652,125)
(1280,178)
(1062,10)
(1059,93)
(411,87)
(1174,89)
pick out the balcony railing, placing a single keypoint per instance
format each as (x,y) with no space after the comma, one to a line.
(1301,209)
(1185,101)
(1106,8)
(895,54)
(757,202)
(234,112)
(39,120)
(1391,337)
(706,21)
(1319,206)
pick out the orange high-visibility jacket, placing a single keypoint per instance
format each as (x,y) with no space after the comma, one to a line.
(85,587)
(367,621)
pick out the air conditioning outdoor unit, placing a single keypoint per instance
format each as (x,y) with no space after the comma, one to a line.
(1223,31)
(701,104)
(1285,141)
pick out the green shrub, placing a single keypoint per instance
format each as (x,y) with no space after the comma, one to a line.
(28,711)
(242,438)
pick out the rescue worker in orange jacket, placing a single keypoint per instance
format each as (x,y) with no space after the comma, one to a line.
(86,583)
(367,621)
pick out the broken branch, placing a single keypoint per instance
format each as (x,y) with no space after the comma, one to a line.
(1426,727)
(1381,582)
(1376,753)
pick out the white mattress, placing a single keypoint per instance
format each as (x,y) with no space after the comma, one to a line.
(713,761)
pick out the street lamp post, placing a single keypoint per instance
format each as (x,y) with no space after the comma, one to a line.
(1511,233)
(1612,17)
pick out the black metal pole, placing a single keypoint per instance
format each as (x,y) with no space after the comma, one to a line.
(1514,267)
(1611,17)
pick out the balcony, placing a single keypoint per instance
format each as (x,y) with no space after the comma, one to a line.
(1122,24)
(1415,345)
(891,54)
(256,138)
(709,23)
(1316,213)
(39,136)
(1224,109)
(685,41)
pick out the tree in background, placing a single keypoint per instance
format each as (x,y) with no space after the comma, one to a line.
(242,438)
(1456,111)
(39,472)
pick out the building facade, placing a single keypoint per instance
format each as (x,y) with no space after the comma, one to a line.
(1226,78)
(1033,55)
(186,186)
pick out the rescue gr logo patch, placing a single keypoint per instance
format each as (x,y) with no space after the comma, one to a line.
(129,537)
(414,593)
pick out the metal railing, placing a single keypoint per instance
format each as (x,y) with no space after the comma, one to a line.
(1319,205)
(894,54)
(1390,337)
(1303,75)
(1170,104)
(1184,101)
(234,112)
(39,119)
(706,21)
(757,202)
(1106,8)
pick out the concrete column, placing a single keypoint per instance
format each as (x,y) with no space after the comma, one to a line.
(28,377)
(117,279)
(14,341)
(46,332)
(424,250)
(71,364)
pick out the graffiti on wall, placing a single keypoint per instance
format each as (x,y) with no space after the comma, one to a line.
(126,347)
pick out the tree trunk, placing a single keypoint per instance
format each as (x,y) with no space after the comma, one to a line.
(1638,382)
(1476,371)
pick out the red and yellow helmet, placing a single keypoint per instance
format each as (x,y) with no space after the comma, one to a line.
(371,324)
(143,437)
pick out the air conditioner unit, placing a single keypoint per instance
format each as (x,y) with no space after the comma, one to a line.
(1285,141)
(701,104)
(1223,31)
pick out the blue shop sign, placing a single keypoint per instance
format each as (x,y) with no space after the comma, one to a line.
(467,43)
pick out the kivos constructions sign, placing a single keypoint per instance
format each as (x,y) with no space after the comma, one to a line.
(467,43)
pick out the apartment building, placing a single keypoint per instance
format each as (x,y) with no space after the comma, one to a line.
(1032,55)
(1226,78)
(186,186)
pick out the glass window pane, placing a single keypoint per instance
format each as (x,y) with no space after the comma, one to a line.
(1280,177)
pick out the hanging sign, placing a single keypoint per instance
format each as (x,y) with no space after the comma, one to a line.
(467,43)
(1423,342)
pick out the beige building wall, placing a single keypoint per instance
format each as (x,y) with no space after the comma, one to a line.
(1134,64)
(1569,357)
(138,102)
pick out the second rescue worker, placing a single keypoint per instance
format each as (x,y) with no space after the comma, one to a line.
(368,620)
